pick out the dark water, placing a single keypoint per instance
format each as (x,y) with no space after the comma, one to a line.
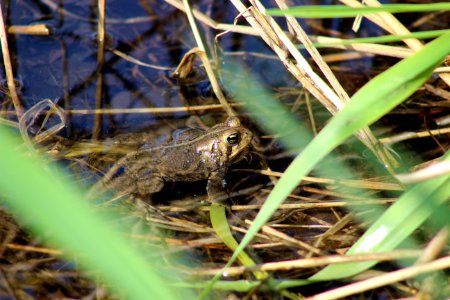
(63,67)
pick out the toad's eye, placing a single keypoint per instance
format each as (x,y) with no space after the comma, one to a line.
(233,138)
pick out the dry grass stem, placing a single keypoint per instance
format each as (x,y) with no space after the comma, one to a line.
(35,249)
(314,262)
(316,205)
(434,247)
(442,70)
(292,206)
(337,57)
(334,229)
(392,51)
(148,110)
(278,235)
(443,120)
(12,92)
(244,231)
(100,62)
(201,52)
(337,195)
(362,184)
(383,280)
(176,242)
(413,135)
(310,114)
(180,225)
(137,61)
(437,91)
(437,169)
(9,123)
(201,17)
(194,28)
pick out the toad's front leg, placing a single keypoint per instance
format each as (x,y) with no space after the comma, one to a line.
(216,186)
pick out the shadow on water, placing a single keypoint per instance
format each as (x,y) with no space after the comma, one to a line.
(63,67)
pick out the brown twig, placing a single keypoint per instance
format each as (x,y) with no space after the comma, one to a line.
(36,29)
(147,110)
(100,61)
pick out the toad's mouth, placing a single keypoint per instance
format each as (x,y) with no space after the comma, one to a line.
(243,149)
(240,155)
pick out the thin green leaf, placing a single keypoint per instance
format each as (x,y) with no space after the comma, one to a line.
(220,224)
(342,11)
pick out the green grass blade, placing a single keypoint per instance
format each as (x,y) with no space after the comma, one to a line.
(342,11)
(394,226)
(49,206)
(375,99)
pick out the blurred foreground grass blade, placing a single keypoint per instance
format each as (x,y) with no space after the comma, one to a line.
(342,11)
(50,207)
(375,99)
